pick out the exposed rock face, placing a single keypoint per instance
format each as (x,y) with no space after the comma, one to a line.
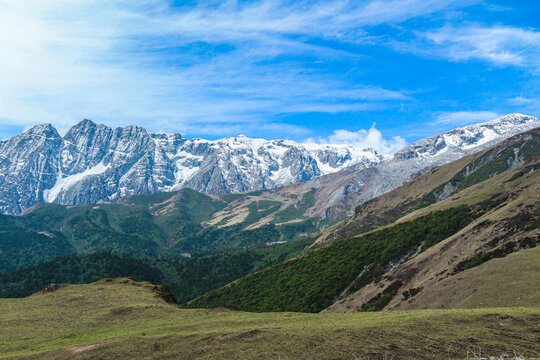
(93,163)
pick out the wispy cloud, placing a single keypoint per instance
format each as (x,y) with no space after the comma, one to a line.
(371,138)
(460,118)
(498,45)
(190,67)
(530,105)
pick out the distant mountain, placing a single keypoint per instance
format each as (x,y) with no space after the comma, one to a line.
(92,163)
(421,156)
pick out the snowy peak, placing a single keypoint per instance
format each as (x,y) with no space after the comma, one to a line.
(469,137)
(41,129)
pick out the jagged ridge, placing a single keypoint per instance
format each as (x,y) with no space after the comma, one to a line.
(93,162)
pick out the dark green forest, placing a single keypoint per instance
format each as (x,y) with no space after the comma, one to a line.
(139,228)
(188,278)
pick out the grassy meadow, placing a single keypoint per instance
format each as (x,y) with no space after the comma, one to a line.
(124,319)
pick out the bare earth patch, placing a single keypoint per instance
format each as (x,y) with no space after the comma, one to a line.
(84,348)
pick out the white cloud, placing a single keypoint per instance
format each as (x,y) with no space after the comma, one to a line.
(521,100)
(460,118)
(528,105)
(141,61)
(371,138)
(499,45)
(266,130)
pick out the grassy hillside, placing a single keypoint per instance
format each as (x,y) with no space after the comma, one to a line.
(512,280)
(512,225)
(310,283)
(496,208)
(123,319)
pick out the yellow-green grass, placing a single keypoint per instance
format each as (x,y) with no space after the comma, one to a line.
(524,189)
(513,280)
(128,320)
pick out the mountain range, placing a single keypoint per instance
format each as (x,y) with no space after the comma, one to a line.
(94,163)
(452,237)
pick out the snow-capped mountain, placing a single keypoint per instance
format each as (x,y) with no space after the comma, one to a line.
(93,163)
(425,154)
(340,192)
(468,138)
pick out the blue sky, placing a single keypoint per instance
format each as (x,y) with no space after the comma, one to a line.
(323,71)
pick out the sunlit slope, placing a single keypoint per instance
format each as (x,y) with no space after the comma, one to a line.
(438,184)
(512,224)
(512,280)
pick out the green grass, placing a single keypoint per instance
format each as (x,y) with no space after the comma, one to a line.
(297,211)
(513,280)
(130,320)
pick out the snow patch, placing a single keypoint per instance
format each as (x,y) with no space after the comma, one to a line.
(63,184)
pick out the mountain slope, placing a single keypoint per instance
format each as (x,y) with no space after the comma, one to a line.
(310,283)
(513,225)
(437,185)
(492,218)
(94,162)
(188,278)
(507,281)
(180,224)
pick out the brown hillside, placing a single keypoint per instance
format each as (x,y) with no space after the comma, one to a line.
(437,277)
